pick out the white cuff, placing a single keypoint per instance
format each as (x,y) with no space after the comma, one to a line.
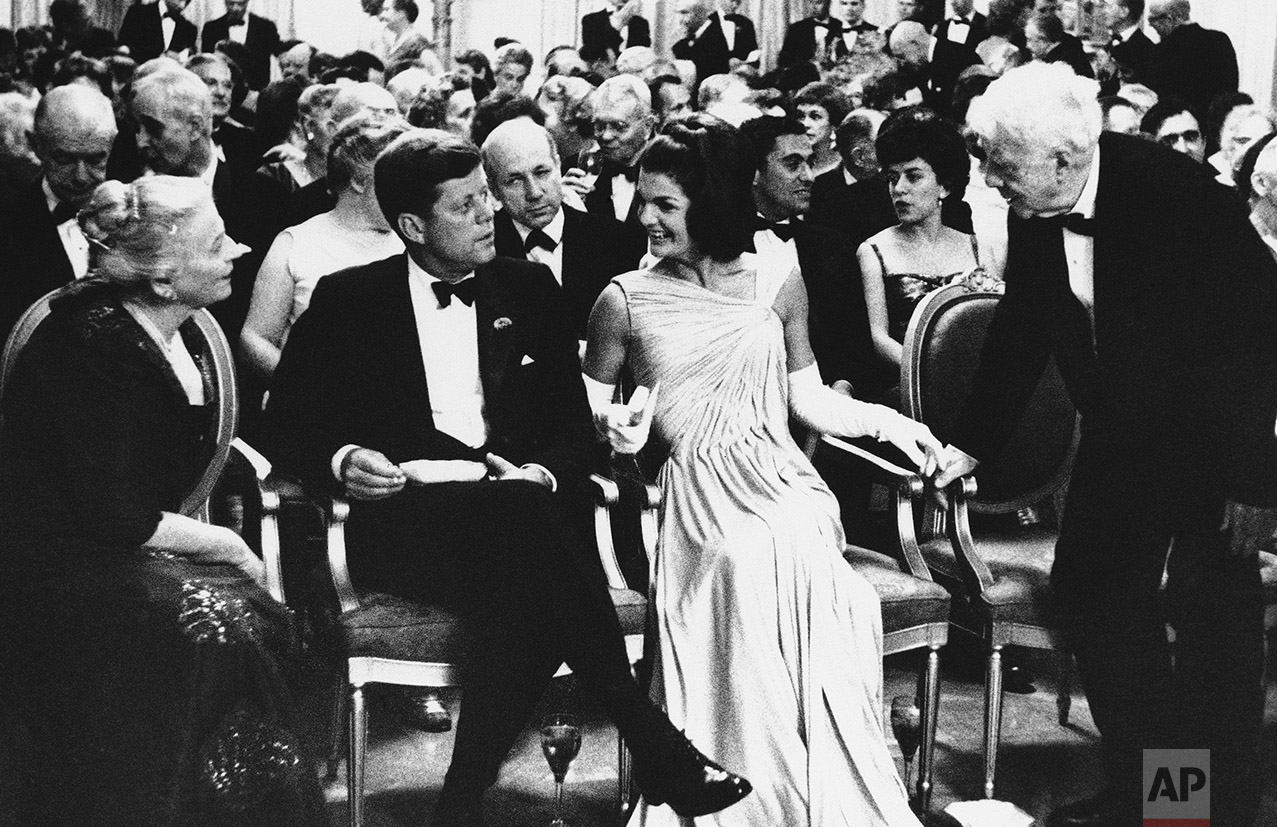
(339,458)
(550,478)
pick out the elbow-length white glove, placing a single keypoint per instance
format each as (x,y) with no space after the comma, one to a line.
(830,412)
(625,426)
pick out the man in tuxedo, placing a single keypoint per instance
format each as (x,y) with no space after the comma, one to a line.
(1145,281)
(1046,40)
(816,38)
(42,246)
(172,110)
(583,250)
(259,36)
(832,202)
(964,26)
(854,24)
(151,29)
(440,390)
(703,41)
(235,143)
(1191,63)
(616,28)
(623,123)
(1130,48)
(839,323)
(935,63)
(739,32)
(1173,125)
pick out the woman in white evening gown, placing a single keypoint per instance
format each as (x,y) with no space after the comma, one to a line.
(769,643)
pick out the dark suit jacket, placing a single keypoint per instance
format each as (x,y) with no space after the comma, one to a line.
(262,42)
(837,321)
(1135,57)
(253,213)
(1195,65)
(709,52)
(1069,51)
(143,33)
(979,30)
(595,248)
(1180,388)
(746,36)
(32,259)
(351,374)
(597,34)
(800,41)
(947,62)
(599,202)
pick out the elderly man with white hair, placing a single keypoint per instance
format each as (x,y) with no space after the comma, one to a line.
(1263,185)
(1144,280)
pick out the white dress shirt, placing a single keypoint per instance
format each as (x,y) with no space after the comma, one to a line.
(168,25)
(69,233)
(958,30)
(550,258)
(623,190)
(770,247)
(239,33)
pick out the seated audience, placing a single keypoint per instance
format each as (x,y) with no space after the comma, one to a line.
(1172,124)
(140,651)
(517,432)
(925,161)
(354,232)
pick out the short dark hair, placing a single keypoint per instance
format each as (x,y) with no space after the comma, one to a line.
(655,85)
(764,131)
(408,173)
(76,65)
(713,164)
(499,107)
(1158,113)
(408,7)
(477,61)
(855,128)
(826,96)
(918,132)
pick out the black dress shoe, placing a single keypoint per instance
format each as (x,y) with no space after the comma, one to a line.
(678,774)
(425,711)
(1098,811)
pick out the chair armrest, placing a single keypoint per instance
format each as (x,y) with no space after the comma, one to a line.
(268,500)
(975,572)
(606,495)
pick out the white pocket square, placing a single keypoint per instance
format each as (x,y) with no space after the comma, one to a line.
(527,360)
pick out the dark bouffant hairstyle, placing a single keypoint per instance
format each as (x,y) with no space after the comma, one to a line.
(918,132)
(408,173)
(713,163)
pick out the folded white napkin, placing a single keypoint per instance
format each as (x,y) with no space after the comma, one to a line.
(426,471)
(988,813)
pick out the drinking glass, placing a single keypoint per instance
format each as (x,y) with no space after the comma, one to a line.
(560,741)
(591,163)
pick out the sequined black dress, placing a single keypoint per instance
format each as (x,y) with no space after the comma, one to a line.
(136,688)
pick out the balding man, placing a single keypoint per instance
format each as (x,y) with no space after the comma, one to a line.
(583,250)
(172,112)
(935,64)
(1142,278)
(1191,63)
(42,246)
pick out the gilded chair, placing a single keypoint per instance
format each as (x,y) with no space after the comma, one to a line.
(915,610)
(380,638)
(999,578)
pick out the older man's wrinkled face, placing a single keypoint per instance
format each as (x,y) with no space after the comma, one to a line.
(74,153)
(221,86)
(296,62)
(1030,178)
(168,133)
(622,127)
(525,178)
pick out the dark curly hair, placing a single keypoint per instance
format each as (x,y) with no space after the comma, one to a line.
(713,163)
(918,132)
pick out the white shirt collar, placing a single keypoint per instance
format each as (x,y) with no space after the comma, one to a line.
(210,172)
(1127,33)
(416,271)
(554,229)
(1085,205)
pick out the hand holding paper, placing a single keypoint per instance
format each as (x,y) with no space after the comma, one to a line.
(627,426)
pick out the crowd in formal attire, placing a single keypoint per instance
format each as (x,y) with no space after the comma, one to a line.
(443,282)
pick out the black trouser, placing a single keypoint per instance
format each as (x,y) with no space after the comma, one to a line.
(503,556)
(1117,528)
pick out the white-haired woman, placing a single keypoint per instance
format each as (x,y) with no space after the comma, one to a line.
(140,653)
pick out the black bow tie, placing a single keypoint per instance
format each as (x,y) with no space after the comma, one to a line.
(539,238)
(1074,222)
(463,290)
(961,20)
(611,170)
(243,22)
(783,230)
(64,212)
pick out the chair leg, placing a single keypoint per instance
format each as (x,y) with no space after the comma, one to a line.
(930,680)
(355,760)
(337,724)
(992,717)
(1064,700)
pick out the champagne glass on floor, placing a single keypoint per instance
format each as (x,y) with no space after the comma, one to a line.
(560,741)
(906,725)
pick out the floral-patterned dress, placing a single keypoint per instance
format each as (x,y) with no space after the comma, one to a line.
(905,290)
(143,688)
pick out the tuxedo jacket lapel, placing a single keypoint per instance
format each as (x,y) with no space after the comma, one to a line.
(400,331)
(495,318)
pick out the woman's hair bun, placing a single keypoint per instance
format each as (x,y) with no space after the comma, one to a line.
(109,212)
